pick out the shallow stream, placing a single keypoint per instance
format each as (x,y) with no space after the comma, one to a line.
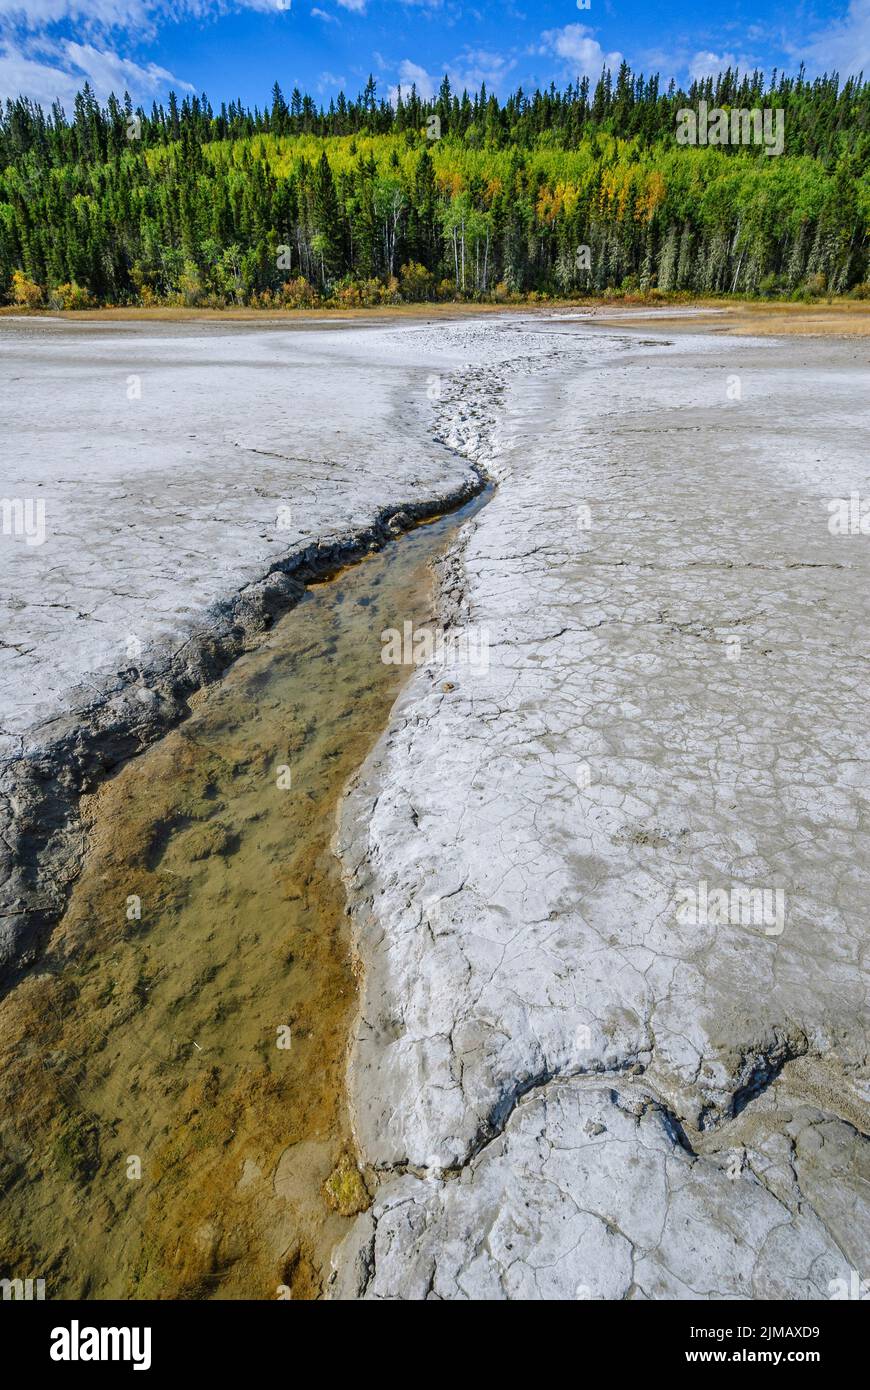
(172,1075)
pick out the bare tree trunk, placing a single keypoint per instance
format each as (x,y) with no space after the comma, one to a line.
(733,249)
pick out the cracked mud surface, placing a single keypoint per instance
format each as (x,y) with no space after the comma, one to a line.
(518,844)
(559,1085)
(178,524)
(588,1194)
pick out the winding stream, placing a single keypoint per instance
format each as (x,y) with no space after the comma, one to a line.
(173,1074)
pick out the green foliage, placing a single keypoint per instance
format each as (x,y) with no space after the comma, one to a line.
(355,205)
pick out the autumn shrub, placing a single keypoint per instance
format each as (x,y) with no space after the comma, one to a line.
(373,292)
(347,295)
(71,296)
(299,294)
(24,292)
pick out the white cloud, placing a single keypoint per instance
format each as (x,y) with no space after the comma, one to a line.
(355,6)
(36,64)
(132,14)
(843,46)
(412,74)
(580,52)
(108,72)
(468,72)
(70,65)
(331,82)
(322,14)
(711,64)
(478,65)
(110,14)
(682,66)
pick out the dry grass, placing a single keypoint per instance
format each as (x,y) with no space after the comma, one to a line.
(839,318)
(843,319)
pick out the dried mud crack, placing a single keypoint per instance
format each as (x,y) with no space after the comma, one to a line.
(522,946)
(562,1084)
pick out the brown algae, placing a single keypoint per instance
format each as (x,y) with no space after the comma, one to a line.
(173,1115)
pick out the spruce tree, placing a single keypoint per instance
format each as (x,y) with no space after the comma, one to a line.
(327,220)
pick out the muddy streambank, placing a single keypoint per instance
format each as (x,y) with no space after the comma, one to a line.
(40,830)
(173,1113)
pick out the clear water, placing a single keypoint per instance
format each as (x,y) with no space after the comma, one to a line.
(172,1084)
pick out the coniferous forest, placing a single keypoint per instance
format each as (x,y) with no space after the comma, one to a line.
(578,192)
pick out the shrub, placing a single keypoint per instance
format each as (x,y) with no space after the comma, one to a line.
(416,282)
(770,284)
(190,287)
(348,295)
(298,294)
(71,296)
(25,293)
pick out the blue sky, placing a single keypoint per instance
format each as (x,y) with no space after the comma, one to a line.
(237,48)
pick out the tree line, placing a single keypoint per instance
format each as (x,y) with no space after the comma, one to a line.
(367,201)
